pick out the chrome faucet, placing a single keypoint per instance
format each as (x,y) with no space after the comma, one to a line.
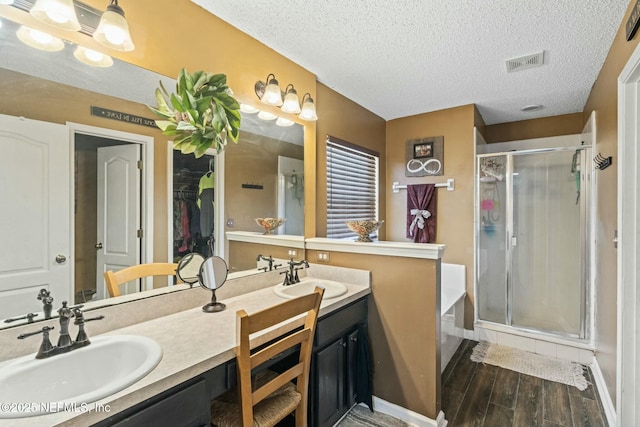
(293,271)
(65,343)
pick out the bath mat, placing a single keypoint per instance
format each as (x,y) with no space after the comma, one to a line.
(557,370)
(361,416)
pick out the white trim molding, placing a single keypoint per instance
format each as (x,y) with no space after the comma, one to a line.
(407,415)
(627,376)
(603,392)
(404,249)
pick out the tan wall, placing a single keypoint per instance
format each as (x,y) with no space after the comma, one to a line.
(455,208)
(604,101)
(344,119)
(85,220)
(404,333)
(566,124)
(254,160)
(242,255)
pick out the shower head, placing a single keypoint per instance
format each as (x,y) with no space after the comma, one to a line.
(492,173)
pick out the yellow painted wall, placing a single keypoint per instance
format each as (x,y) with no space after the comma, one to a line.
(566,124)
(404,333)
(344,119)
(604,101)
(455,208)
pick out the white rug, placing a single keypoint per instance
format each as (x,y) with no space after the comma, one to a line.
(557,370)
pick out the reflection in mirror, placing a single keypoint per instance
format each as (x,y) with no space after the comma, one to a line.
(213,274)
(264,176)
(189,268)
(55,88)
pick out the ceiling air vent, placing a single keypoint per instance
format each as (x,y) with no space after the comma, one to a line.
(524,62)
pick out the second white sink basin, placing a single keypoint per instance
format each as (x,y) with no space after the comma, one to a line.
(332,289)
(75,379)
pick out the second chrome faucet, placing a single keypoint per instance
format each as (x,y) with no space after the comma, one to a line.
(291,276)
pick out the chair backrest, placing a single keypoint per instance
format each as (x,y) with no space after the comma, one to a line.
(249,324)
(114,279)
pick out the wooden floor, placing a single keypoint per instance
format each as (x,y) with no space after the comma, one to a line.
(480,395)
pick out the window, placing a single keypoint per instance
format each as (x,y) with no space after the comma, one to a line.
(352,186)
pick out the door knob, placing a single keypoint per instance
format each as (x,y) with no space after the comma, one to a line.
(98,245)
(60,259)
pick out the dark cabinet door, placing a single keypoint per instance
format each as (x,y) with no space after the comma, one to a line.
(329,386)
(352,352)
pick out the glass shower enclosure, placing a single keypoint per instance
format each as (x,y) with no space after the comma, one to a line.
(532,234)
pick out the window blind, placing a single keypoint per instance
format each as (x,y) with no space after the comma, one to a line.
(352,186)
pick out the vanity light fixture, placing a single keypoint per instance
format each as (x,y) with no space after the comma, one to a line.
(39,40)
(59,13)
(284,122)
(308,108)
(269,92)
(264,115)
(92,57)
(113,29)
(249,109)
(291,102)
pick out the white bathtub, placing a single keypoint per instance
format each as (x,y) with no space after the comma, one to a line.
(452,293)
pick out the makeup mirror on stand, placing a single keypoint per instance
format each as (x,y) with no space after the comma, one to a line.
(189,268)
(213,274)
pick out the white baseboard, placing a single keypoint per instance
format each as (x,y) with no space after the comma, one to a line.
(407,415)
(471,335)
(603,392)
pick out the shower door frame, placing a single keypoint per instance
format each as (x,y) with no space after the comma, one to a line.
(584,334)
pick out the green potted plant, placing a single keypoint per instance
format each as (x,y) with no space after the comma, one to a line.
(201,114)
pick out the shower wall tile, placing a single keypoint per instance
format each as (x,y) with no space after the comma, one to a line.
(546,348)
(568,353)
(514,341)
(487,335)
(586,357)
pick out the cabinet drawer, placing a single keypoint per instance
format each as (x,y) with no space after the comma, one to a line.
(337,323)
(189,407)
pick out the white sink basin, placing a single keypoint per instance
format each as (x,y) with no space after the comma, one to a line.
(75,379)
(332,289)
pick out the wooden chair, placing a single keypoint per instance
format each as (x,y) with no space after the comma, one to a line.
(273,396)
(114,279)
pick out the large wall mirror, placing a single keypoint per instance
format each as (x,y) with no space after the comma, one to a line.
(103,113)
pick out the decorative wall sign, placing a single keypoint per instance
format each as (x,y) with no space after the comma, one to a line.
(122,117)
(425,156)
(633,21)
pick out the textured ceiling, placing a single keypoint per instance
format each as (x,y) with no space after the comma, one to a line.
(398,58)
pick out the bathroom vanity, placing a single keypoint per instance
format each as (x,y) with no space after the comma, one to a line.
(332,383)
(198,363)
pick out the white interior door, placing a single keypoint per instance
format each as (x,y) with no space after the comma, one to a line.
(34,218)
(118,213)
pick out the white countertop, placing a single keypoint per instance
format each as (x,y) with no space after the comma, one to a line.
(193,342)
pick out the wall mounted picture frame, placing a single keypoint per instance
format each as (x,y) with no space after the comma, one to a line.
(423,150)
(424,156)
